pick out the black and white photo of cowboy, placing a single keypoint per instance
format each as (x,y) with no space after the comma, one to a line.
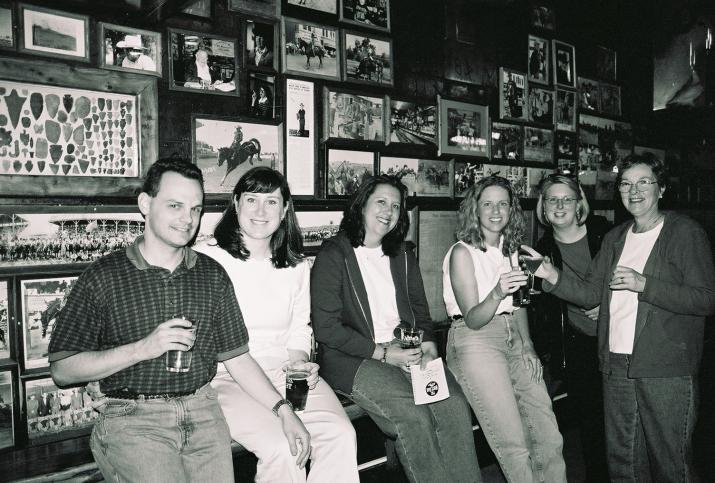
(368,59)
(310,49)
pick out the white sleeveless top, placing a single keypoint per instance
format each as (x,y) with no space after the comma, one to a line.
(487,268)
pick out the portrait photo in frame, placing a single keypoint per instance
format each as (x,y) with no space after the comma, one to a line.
(564,56)
(538,146)
(466,173)
(512,95)
(300,136)
(261,95)
(589,95)
(5,337)
(347,170)
(366,13)
(310,49)
(541,105)
(610,99)
(133,50)
(7,27)
(566,144)
(262,8)
(422,177)
(54,33)
(539,60)
(605,63)
(543,15)
(412,123)
(463,128)
(260,44)
(316,227)
(367,59)
(349,115)
(565,110)
(224,148)
(7,409)
(507,142)
(202,63)
(326,6)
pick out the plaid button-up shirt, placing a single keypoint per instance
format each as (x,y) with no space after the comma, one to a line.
(121,299)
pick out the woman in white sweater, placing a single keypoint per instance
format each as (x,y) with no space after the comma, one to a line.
(259,244)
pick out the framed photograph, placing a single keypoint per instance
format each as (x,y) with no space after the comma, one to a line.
(512,95)
(261,95)
(516,175)
(534,176)
(466,174)
(7,410)
(353,116)
(41,301)
(412,123)
(300,136)
(539,61)
(368,59)
(565,110)
(260,44)
(564,56)
(538,146)
(589,95)
(347,170)
(610,99)
(225,148)
(95,138)
(198,8)
(541,105)
(605,63)
(603,143)
(53,414)
(366,13)
(326,6)
(316,227)
(262,8)
(543,15)
(310,49)
(566,144)
(463,128)
(130,49)
(7,27)
(5,337)
(507,142)
(53,33)
(567,166)
(200,62)
(422,177)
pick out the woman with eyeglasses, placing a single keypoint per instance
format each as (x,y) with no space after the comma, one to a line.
(571,240)
(655,283)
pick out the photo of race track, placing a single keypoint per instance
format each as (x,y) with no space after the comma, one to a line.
(412,123)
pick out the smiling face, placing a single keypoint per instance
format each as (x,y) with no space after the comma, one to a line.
(259,215)
(563,213)
(641,203)
(380,214)
(493,211)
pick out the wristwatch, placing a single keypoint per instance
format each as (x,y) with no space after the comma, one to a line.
(384,354)
(280,403)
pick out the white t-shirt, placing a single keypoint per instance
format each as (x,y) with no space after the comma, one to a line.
(375,270)
(487,268)
(623,309)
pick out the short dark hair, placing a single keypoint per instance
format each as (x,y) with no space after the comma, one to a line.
(286,242)
(648,159)
(184,167)
(353,223)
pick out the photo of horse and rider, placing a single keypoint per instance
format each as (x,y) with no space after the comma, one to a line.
(225,149)
(368,59)
(422,177)
(310,49)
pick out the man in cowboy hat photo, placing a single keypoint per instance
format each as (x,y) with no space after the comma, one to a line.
(135,57)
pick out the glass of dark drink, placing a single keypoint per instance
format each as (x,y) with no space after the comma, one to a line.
(297,386)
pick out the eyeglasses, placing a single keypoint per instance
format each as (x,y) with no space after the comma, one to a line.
(641,185)
(553,201)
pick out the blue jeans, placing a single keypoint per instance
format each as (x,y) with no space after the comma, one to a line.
(184,439)
(649,425)
(434,441)
(514,412)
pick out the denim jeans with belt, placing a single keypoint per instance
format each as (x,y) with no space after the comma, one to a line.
(434,442)
(514,412)
(182,439)
(649,425)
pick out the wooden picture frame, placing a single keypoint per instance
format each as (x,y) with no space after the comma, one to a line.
(422,177)
(466,174)
(261,49)
(202,9)
(8,411)
(507,142)
(329,7)
(48,96)
(565,110)
(261,96)
(539,60)
(6,336)
(212,139)
(8,39)
(316,227)
(411,123)
(589,95)
(301,135)
(261,8)
(538,147)
(116,38)
(541,105)
(463,128)
(53,33)
(346,170)
(303,40)
(374,14)
(512,94)
(352,116)
(564,56)
(367,59)
(220,73)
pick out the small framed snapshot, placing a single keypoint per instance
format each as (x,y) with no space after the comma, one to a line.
(7,27)
(316,227)
(463,128)
(310,49)
(512,95)
(225,148)
(53,33)
(262,8)
(261,41)
(466,173)
(589,95)
(7,410)
(516,175)
(347,170)
(534,178)
(564,56)
(325,6)
(507,142)
(422,177)
(538,146)
(198,8)
(605,63)
(366,13)
(539,60)
(566,144)
(5,336)
(261,95)
(412,123)
(349,115)
(543,15)
(610,99)
(201,62)
(41,300)
(541,105)
(129,49)
(53,414)
(300,136)
(565,110)
(567,166)
(368,59)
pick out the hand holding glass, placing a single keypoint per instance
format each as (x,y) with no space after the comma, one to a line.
(297,385)
(531,264)
(180,361)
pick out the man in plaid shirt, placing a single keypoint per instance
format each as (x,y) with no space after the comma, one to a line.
(132,306)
